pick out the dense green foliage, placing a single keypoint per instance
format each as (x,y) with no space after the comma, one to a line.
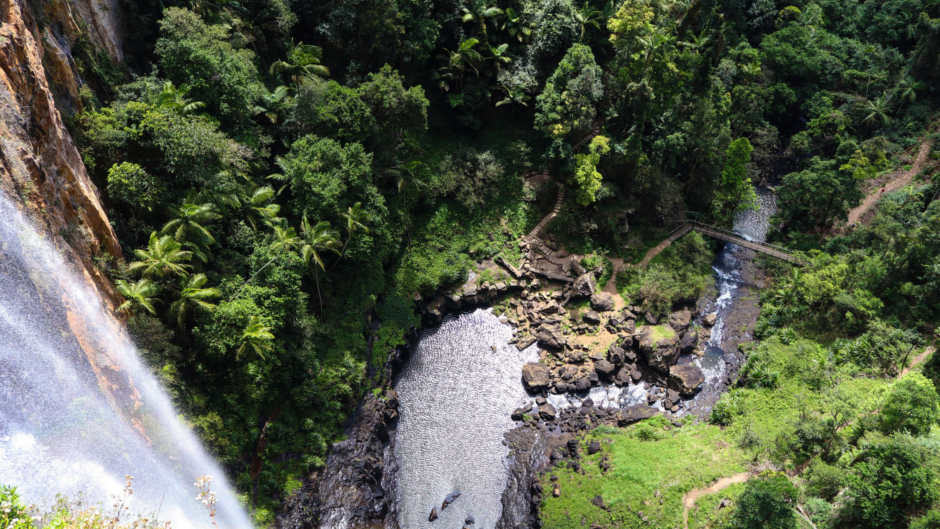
(287,178)
(766,502)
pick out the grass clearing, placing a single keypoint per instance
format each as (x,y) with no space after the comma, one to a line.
(653,464)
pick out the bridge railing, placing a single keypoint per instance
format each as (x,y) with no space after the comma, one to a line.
(739,236)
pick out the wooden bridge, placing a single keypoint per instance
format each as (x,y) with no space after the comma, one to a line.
(723,235)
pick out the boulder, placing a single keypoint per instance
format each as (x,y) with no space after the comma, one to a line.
(688,378)
(550,338)
(602,301)
(659,344)
(672,398)
(449,499)
(567,372)
(629,326)
(688,341)
(583,381)
(433,515)
(616,354)
(594,447)
(622,378)
(519,413)
(634,414)
(547,412)
(591,317)
(584,285)
(604,368)
(573,446)
(710,319)
(635,374)
(680,320)
(535,376)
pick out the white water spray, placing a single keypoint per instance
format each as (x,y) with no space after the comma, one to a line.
(78,410)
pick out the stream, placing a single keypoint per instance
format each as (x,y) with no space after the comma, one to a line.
(463,381)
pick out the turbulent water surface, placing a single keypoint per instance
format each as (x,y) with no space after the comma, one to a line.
(752,224)
(457,394)
(78,411)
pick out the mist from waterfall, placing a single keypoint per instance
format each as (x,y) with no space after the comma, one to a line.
(78,409)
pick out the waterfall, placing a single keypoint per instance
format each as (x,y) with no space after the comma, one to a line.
(753,225)
(78,409)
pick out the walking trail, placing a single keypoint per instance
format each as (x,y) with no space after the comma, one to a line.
(897,180)
(917,360)
(688,501)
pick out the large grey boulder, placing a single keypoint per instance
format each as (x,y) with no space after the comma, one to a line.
(604,368)
(688,341)
(659,344)
(602,302)
(688,378)
(584,285)
(680,320)
(634,414)
(535,376)
(591,317)
(550,338)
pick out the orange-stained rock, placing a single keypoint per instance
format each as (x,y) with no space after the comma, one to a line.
(40,167)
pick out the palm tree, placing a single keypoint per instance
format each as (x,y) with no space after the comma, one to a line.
(256,336)
(354,222)
(273,104)
(174,99)
(261,207)
(877,110)
(140,293)
(163,256)
(188,227)
(303,60)
(589,15)
(194,294)
(316,238)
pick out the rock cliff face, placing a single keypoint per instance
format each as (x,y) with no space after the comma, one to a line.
(40,167)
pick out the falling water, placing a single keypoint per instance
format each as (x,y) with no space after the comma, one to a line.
(78,410)
(457,394)
(752,224)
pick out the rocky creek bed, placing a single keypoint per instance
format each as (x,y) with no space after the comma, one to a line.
(584,358)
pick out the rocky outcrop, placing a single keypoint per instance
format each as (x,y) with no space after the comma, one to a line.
(357,486)
(659,345)
(535,377)
(40,168)
(688,378)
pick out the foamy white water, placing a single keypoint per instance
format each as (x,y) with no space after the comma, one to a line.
(60,432)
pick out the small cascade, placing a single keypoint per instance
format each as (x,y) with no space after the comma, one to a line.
(753,225)
(78,410)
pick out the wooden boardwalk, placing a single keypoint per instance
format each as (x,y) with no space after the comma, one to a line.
(723,235)
(762,247)
(559,202)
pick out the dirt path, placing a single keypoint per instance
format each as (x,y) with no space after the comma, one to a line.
(917,360)
(897,180)
(688,501)
(611,286)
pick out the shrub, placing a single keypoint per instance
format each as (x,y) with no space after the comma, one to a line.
(890,480)
(825,480)
(766,503)
(131,184)
(913,406)
(931,520)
